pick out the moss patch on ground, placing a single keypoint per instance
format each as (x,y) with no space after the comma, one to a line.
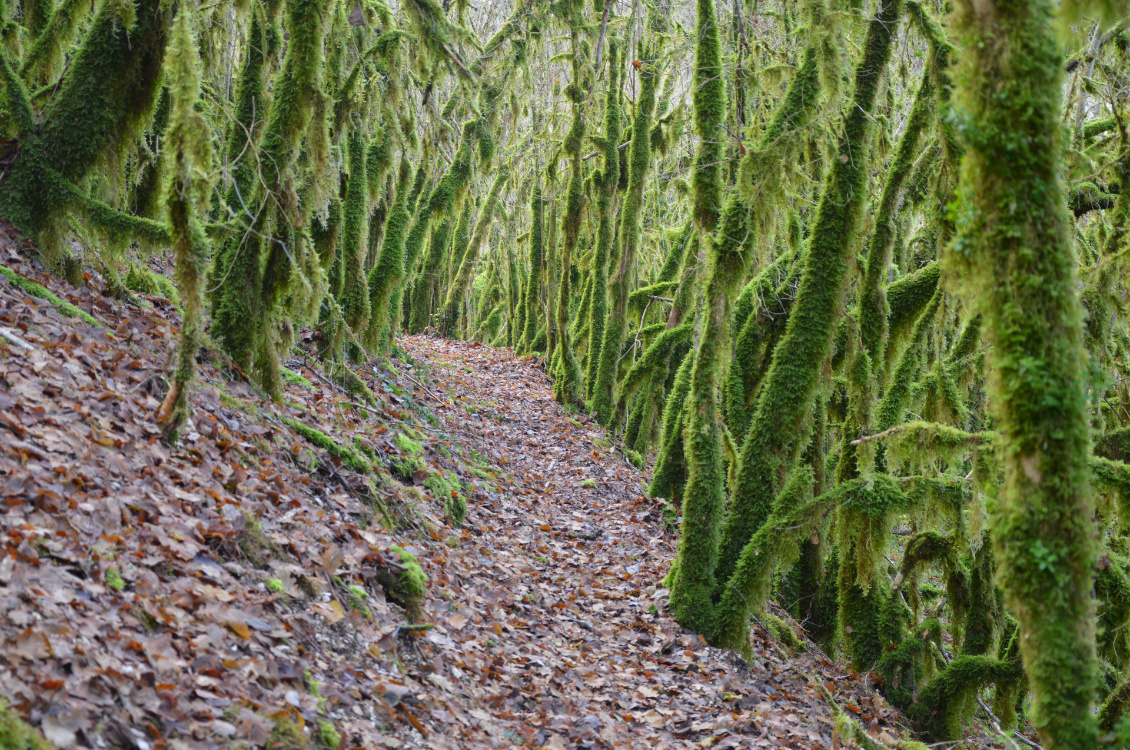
(406,587)
(16,734)
(38,290)
(141,279)
(348,456)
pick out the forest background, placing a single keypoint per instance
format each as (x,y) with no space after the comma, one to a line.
(831,267)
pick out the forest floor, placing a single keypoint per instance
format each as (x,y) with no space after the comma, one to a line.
(225,592)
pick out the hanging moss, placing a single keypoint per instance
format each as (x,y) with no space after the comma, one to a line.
(104,98)
(233,303)
(256,284)
(790,385)
(706,481)
(873,312)
(629,240)
(462,279)
(1012,234)
(567,374)
(189,157)
(355,304)
(389,268)
(44,58)
(531,302)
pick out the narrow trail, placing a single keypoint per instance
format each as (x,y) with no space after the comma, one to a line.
(565,562)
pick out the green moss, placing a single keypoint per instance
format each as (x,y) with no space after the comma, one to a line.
(275,586)
(42,292)
(790,385)
(709,114)
(451,494)
(16,734)
(87,120)
(341,373)
(628,238)
(407,586)
(462,279)
(141,279)
(670,475)
(948,700)
(388,270)
(293,378)
(355,304)
(532,287)
(907,296)
(605,184)
(784,632)
(327,735)
(408,445)
(347,455)
(287,735)
(873,311)
(1015,253)
(114,579)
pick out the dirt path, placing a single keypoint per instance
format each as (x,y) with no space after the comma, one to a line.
(554,609)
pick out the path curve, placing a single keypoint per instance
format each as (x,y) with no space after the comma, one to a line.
(554,630)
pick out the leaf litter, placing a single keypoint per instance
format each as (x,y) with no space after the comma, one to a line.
(198,596)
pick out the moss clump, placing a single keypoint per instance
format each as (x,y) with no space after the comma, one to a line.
(450,492)
(783,632)
(38,290)
(347,455)
(357,600)
(287,735)
(290,377)
(16,734)
(327,735)
(408,445)
(406,586)
(114,579)
(141,279)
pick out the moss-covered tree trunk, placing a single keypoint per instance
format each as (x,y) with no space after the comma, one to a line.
(531,301)
(566,372)
(462,279)
(354,237)
(188,153)
(639,162)
(1013,234)
(789,392)
(606,184)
